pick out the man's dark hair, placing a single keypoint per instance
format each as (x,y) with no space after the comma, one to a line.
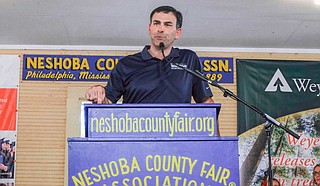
(167,9)
(314,168)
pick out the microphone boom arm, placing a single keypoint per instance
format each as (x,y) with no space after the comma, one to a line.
(229,93)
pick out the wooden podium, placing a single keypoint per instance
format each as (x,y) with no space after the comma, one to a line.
(153,144)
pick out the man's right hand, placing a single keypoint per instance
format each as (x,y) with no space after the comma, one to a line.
(3,167)
(97,94)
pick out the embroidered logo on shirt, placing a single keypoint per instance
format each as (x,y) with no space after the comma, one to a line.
(175,67)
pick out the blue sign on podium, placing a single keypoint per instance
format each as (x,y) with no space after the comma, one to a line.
(151,120)
(153,162)
(153,145)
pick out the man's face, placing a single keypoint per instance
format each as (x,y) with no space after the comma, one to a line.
(163,29)
(316,174)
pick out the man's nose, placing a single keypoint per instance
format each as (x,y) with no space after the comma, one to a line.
(160,28)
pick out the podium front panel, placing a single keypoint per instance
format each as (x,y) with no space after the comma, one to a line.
(204,162)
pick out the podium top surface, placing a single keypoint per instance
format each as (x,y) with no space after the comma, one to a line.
(155,105)
(214,138)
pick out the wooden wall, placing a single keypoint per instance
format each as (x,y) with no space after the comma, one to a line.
(49,113)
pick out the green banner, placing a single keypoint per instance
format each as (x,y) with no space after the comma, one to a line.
(276,87)
(288,91)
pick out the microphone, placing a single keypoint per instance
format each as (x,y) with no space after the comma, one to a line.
(161,45)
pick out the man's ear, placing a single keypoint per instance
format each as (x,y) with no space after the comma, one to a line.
(178,33)
(149,29)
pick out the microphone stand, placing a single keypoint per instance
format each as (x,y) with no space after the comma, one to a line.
(269,120)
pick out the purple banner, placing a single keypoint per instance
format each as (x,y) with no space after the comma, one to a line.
(151,120)
(153,162)
(218,69)
(97,68)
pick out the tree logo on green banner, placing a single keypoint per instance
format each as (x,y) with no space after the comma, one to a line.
(276,81)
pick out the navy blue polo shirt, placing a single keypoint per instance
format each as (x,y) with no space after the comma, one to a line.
(141,78)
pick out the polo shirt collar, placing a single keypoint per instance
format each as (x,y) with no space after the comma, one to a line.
(147,56)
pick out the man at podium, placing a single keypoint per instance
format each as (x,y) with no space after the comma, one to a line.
(151,75)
